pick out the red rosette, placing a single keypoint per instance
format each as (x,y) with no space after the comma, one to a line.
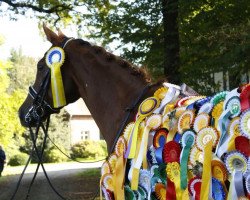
(242,144)
(245,98)
(108,194)
(171,152)
(194,187)
(160,137)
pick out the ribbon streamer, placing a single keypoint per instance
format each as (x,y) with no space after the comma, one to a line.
(54,59)
(206,174)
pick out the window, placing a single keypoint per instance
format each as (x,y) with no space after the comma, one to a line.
(84,135)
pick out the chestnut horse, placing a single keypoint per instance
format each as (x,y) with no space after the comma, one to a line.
(108,85)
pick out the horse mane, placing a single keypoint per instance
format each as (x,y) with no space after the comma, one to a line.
(135,70)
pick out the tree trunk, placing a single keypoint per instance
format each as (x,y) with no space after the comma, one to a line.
(171,41)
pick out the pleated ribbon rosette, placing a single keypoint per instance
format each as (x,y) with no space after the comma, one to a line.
(184,147)
(54,59)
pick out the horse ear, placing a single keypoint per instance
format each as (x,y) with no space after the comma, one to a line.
(51,36)
(60,33)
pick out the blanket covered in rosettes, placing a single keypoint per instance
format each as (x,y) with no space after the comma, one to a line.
(183,147)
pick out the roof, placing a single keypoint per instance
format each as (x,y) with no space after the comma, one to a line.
(77,108)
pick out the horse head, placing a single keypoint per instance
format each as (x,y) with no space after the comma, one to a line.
(39,102)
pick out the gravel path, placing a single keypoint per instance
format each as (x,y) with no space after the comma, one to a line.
(67,181)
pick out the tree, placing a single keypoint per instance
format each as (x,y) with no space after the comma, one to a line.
(213,35)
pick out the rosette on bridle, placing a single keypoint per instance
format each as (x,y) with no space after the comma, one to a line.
(54,59)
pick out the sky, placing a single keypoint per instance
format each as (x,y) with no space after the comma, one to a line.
(24,33)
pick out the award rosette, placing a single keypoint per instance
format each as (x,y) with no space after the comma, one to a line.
(161,93)
(144,110)
(234,127)
(216,112)
(205,135)
(218,192)
(201,121)
(128,130)
(173,173)
(112,161)
(194,188)
(187,141)
(186,121)
(106,168)
(145,180)
(219,97)
(196,155)
(54,59)
(235,161)
(171,152)
(121,146)
(160,137)
(206,108)
(129,194)
(107,182)
(247,183)
(160,191)
(245,98)
(108,194)
(245,123)
(233,105)
(242,144)
(219,170)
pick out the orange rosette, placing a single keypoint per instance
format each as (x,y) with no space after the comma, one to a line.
(160,191)
(219,170)
(186,121)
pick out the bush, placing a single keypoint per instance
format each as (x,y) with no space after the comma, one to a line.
(53,155)
(18,159)
(89,149)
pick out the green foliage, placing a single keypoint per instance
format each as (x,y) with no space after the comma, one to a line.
(9,104)
(53,155)
(89,149)
(214,35)
(18,159)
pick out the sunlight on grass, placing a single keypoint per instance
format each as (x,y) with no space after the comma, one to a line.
(90,173)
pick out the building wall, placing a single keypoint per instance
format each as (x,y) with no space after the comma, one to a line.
(83,128)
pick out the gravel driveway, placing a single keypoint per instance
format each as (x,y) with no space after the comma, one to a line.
(65,179)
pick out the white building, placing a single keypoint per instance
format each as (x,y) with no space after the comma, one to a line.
(82,125)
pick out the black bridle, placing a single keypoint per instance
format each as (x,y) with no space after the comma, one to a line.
(37,112)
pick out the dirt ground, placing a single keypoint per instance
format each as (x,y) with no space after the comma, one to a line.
(73,184)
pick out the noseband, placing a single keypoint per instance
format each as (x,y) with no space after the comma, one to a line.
(39,105)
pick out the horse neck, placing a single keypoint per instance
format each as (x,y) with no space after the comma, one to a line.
(107,90)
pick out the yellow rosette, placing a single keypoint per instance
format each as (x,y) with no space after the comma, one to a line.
(54,60)
(145,109)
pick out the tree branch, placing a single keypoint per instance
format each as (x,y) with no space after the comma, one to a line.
(54,9)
